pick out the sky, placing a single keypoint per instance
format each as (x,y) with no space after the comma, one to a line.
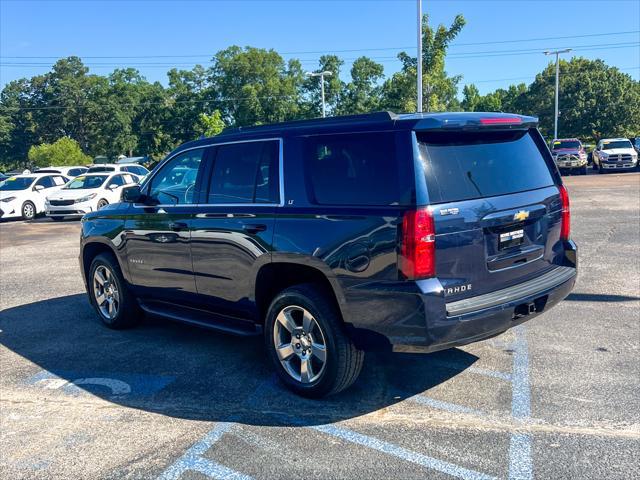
(167,33)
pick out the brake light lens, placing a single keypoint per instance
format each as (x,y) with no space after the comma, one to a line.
(418,251)
(565,229)
(501,121)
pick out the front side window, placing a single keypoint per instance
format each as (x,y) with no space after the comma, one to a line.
(46,182)
(245,173)
(176,180)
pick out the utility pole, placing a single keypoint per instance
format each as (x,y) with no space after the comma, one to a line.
(557,54)
(326,73)
(419,62)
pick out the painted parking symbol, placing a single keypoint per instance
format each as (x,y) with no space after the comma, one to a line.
(113,384)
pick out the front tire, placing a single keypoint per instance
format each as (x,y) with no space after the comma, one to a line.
(28,211)
(114,303)
(102,203)
(306,341)
(583,170)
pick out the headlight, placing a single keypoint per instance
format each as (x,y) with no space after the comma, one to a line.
(86,198)
(8,199)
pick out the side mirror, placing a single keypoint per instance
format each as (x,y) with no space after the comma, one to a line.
(37,188)
(132,194)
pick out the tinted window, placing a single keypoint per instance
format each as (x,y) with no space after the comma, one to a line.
(609,145)
(46,182)
(74,172)
(245,173)
(101,169)
(117,180)
(354,169)
(176,180)
(466,165)
(137,170)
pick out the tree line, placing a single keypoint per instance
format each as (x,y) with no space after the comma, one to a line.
(123,113)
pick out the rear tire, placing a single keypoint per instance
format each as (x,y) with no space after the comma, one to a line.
(114,303)
(300,321)
(28,210)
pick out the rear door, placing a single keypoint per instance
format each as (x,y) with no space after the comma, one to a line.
(232,229)
(496,207)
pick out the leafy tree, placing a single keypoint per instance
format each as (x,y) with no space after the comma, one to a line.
(333,88)
(439,90)
(362,94)
(64,151)
(211,125)
(471,98)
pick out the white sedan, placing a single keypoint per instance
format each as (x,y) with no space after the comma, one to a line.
(88,193)
(24,195)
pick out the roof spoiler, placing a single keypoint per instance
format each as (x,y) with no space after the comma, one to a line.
(476,121)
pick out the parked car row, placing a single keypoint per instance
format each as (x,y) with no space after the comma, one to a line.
(570,155)
(58,195)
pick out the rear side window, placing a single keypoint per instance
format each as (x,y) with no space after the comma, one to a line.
(354,169)
(466,165)
(245,173)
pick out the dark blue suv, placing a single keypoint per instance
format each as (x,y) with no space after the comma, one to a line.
(334,236)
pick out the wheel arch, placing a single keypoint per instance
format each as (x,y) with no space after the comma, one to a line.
(94,248)
(274,277)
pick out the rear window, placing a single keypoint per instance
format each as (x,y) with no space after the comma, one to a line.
(355,169)
(467,165)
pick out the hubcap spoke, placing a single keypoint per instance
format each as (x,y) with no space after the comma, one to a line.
(306,370)
(308,322)
(100,278)
(100,299)
(285,352)
(287,321)
(319,351)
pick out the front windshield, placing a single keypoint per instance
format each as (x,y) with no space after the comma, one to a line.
(573,144)
(16,183)
(616,144)
(85,182)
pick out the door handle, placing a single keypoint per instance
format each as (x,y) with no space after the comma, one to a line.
(254,227)
(177,226)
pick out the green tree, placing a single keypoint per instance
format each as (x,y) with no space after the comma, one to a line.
(471,98)
(64,151)
(439,90)
(211,125)
(362,94)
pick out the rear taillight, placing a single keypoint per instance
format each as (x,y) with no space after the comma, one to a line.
(565,229)
(501,121)
(417,251)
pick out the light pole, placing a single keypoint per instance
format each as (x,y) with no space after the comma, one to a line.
(557,54)
(419,62)
(326,73)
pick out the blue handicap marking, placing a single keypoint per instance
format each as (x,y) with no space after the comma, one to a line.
(115,384)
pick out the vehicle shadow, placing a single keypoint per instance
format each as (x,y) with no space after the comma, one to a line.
(599,297)
(186,372)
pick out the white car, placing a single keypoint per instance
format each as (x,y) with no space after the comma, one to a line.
(138,170)
(69,172)
(87,193)
(24,195)
(614,154)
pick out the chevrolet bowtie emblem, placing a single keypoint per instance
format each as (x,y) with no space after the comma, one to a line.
(521,215)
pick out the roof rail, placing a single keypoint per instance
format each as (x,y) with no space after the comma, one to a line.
(360,118)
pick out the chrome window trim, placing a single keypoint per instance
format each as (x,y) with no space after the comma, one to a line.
(215,144)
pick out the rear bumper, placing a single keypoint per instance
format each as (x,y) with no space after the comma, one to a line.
(416,314)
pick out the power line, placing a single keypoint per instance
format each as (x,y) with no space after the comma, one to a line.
(324,52)
(381,59)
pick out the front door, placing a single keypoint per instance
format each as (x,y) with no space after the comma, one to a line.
(157,233)
(232,230)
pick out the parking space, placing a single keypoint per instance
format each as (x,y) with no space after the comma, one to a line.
(554,398)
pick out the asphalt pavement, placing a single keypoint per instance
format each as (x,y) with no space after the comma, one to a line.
(558,397)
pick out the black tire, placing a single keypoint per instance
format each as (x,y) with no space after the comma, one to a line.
(102,203)
(128,312)
(600,170)
(28,210)
(343,360)
(583,170)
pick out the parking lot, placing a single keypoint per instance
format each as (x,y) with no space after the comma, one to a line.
(555,398)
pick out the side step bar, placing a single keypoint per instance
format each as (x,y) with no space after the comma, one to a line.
(549,280)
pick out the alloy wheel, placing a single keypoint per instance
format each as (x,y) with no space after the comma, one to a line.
(28,211)
(300,344)
(105,292)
